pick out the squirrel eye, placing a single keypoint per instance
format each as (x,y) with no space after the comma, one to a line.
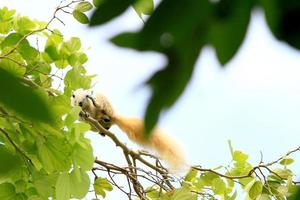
(73,95)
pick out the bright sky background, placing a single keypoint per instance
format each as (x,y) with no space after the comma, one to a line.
(254,101)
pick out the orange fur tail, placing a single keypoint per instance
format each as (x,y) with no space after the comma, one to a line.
(166,146)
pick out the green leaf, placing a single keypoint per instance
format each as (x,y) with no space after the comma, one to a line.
(143,7)
(63,187)
(183,194)
(8,160)
(72,116)
(83,6)
(230,148)
(83,156)
(17,69)
(24,25)
(52,52)
(286,161)
(208,178)
(80,17)
(233,197)
(108,10)
(80,183)
(283,173)
(218,186)
(73,44)
(281,17)
(101,185)
(55,39)
(6,14)
(22,99)
(178,30)
(11,40)
(229,27)
(127,39)
(263,197)
(97,3)
(20,186)
(29,53)
(5,27)
(76,78)
(240,156)
(54,154)
(191,175)
(7,191)
(44,183)
(297,195)
(255,190)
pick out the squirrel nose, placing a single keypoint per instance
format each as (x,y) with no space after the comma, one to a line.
(80,104)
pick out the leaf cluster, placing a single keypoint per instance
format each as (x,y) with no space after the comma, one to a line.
(43,151)
(262,182)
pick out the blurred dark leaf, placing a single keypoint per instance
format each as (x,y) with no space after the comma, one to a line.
(283,19)
(109,9)
(178,30)
(229,27)
(127,40)
(24,100)
(297,197)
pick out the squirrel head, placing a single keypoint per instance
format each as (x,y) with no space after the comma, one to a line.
(81,98)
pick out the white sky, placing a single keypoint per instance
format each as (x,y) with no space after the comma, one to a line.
(254,101)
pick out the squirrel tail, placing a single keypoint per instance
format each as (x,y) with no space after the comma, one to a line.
(166,146)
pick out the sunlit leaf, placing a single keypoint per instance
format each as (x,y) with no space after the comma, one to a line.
(11,40)
(73,44)
(218,186)
(63,187)
(72,116)
(80,17)
(191,175)
(83,157)
(80,183)
(145,7)
(101,185)
(183,194)
(283,173)
(255,190)
(54,154)
(44,183)
(83,6)
(286,161)
(239,156)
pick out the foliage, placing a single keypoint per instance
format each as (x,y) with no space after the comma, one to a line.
(43,151)
(180,29)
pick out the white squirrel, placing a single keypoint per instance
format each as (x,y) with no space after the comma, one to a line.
(99,108)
